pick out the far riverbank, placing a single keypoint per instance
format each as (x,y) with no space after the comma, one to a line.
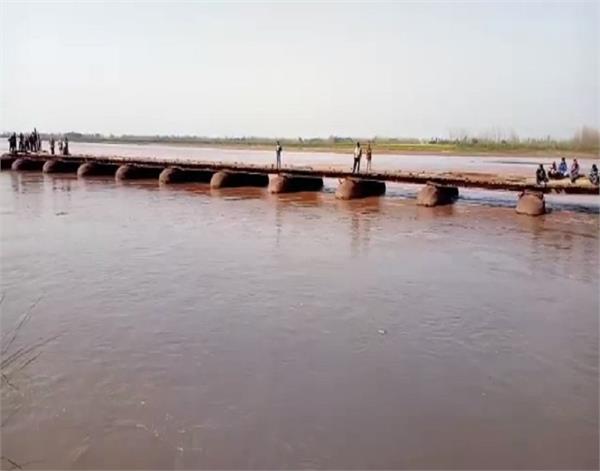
(454,150)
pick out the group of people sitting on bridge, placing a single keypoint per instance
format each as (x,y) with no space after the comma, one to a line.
(32,143)
(563,171)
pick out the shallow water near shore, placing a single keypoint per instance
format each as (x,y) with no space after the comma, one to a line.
(237,329)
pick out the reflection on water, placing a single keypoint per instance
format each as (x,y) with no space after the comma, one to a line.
(237,329)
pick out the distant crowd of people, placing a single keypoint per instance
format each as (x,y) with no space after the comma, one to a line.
(563,171)
(32,143)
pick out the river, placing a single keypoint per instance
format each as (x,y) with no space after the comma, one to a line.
(233,329)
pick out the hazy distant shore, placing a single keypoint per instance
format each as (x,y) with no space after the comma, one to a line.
(426,149)
(378,148)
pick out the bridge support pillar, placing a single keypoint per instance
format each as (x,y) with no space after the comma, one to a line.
(281,183)
(435,195)
(6,162)
(178,175)
(531,203)
(60,166)
(237,179)
(351,188)
(27,164)
(93,169)
(135,172)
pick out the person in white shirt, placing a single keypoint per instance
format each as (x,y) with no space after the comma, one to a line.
(357,157)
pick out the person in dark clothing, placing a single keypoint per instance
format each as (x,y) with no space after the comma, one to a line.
(52,145)
(278,150)
(35,137)
(12,143)
(540,175)
(31,142)
(66,146)
(594,178)
(21,142)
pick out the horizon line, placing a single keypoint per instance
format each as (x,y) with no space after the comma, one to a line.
(461,134)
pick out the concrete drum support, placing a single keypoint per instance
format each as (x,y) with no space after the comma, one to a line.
(237,179)
(60,166)
(531,203)
(27,164)
(436,195)
(351,188)
(178,175)
(92,169)
(134,172)
(289,183)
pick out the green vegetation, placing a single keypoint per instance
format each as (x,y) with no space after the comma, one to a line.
(586,141)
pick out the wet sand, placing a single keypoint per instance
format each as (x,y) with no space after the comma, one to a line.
(235,329)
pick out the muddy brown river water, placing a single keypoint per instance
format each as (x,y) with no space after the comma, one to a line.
(234,329)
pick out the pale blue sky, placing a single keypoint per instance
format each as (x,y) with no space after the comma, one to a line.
(225,69)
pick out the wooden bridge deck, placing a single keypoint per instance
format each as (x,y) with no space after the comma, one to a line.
(464,180)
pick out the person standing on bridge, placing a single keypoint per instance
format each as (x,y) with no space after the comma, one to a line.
(594,177)
(278,150)
(37,140)
(357,157)
(12,143)
(66,146)
(369,156)
(52,145)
